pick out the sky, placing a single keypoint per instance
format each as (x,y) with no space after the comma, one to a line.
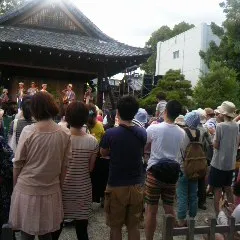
(133,21)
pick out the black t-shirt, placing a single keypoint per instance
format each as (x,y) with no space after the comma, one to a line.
(126,146)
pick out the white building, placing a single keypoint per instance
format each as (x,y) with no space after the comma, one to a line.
(182,52)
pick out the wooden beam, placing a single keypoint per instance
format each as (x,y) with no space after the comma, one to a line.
(45,68)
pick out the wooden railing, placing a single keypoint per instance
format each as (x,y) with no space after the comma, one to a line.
(191,230)
(169,231)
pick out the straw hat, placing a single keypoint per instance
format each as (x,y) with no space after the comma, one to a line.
(217,110)
(180,120)
(209,111)
(228,109)
(202,114)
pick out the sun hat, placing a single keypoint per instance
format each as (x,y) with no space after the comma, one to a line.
(70,85)
(21,83)
(228,109)
(192,119)
(5,90)
(142,115)
(209,111)
(202,115)
(216,111)
(180,121)
(44,84)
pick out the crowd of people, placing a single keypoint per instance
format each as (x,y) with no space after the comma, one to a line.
(122,159)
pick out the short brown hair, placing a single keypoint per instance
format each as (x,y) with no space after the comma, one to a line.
(43,106)
(76,114)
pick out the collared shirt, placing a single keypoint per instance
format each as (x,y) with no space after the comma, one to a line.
(70,96)
(32,91)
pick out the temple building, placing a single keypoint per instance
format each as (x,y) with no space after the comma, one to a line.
(53,42)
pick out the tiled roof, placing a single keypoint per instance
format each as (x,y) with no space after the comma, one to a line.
(90,26)
(68,42)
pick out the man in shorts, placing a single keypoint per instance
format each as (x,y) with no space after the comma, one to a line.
(165,140)
(226,142)
(124,193)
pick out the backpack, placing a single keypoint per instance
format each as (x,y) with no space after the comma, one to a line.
(194,161)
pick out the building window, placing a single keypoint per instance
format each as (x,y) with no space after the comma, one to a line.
(175,54)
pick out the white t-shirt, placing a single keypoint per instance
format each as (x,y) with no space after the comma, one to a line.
(166,140)
(223,219)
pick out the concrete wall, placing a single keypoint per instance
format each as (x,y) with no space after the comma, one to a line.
(182,52)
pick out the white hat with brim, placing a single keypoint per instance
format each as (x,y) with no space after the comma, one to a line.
(70,85)
(21,83)
(202,114)
(1,113)
(180,121)
(217,110)
(228,109)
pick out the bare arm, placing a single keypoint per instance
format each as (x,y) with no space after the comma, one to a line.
(67,158)
(216,144)
(63,175)
(92,161)
(104,152)
(147,147)
(16,173)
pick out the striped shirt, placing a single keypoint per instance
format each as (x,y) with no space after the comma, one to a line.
(77,188)
(21,124)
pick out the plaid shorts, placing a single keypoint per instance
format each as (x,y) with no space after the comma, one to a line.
(154,190)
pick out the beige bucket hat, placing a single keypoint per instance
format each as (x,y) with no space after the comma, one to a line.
(180,121)
(228,109)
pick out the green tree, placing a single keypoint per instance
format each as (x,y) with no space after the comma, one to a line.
(219,85)
(228,52)
(7,5)
(162,34)
(174,85)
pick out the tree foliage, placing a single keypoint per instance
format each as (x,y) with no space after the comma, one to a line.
(162,34)
(228,52)
(7,5)
(174,85)
(219,85)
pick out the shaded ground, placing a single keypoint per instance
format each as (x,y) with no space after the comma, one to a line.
(99,231)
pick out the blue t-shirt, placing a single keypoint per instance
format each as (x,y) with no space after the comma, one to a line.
(126,146)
